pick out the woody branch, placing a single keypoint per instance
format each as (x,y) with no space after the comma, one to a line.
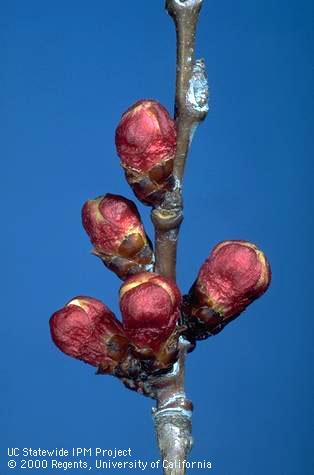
(173,413)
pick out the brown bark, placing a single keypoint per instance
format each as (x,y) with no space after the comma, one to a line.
(173,414)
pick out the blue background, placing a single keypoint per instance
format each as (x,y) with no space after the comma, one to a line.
(68,71)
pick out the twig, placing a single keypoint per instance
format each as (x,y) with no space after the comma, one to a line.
(173,417)
(173,414)
(190,109)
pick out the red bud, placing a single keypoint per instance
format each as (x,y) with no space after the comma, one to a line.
(146,145)
(150,309)
(234,275)
(115,229)
(87,330)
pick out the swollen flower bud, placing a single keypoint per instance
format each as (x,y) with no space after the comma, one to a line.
(115,229)
(234,275)
(146,145)
(150,307)
(87,330)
